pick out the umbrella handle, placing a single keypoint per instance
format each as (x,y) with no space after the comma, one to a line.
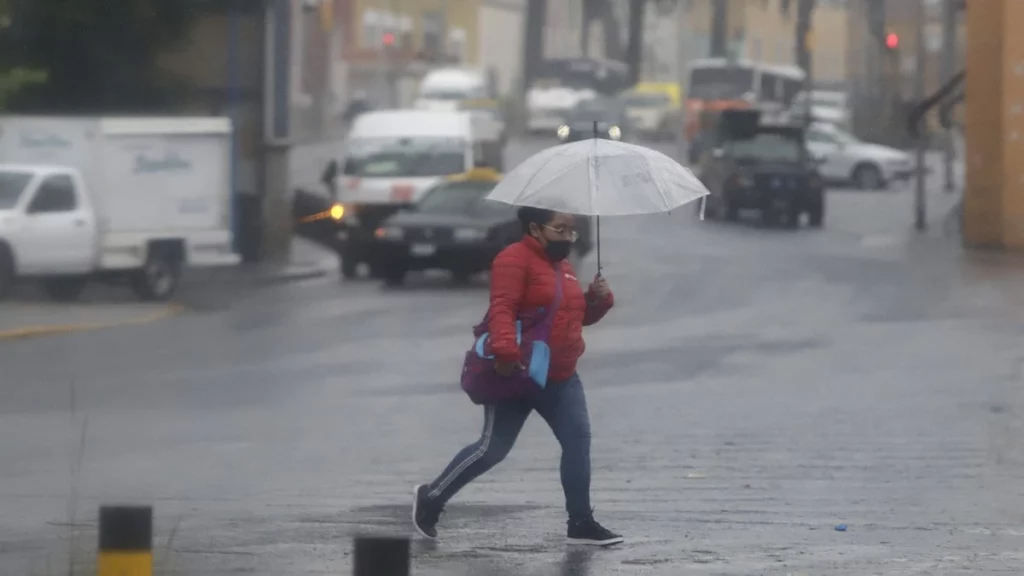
(599,245)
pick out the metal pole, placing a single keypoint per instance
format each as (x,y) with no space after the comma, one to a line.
(920,218)
(949,16)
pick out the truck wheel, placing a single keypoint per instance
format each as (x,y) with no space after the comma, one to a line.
(6,270)
(157,280)
(816,215)
(793,213)
(770,216)
(65,289)
(730,209)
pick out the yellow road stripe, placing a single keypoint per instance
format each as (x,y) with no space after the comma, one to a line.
(36,331)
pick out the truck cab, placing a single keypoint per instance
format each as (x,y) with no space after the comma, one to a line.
(760,162)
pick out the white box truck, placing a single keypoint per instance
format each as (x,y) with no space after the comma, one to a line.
(113,199)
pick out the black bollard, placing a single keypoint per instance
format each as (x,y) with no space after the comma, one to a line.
(381,556)
(126,541)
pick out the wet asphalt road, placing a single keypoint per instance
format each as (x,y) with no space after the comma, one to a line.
(752,389)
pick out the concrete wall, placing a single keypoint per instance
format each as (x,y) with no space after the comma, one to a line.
(501,40)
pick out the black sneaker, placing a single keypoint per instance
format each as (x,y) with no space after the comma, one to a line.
(425,514)
(591,533)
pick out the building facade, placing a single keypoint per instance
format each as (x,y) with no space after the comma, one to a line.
(765,31)
(501,46)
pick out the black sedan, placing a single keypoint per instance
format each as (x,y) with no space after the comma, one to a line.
(454,228)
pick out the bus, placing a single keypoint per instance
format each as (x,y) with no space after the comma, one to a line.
(716,84)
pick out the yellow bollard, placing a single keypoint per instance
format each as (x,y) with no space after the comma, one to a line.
(126,541)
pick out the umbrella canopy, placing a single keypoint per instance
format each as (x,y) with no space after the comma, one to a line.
(598,177)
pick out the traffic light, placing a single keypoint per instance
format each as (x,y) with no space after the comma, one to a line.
(892,41)
(389,39)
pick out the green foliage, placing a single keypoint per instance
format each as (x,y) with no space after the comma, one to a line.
(100,54)
(13,81)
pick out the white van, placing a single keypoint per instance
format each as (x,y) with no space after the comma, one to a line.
(113,198)
(446,89)
(393,157)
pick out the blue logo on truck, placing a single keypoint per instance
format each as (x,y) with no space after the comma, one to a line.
(29,140)
(170,162)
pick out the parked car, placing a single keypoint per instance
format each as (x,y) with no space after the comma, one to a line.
(844,159)
(453,228)
(826,106)
(655,109)
(764,167)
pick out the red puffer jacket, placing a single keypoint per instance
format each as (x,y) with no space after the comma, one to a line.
(523,277)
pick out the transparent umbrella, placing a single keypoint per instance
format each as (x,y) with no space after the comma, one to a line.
(598,177)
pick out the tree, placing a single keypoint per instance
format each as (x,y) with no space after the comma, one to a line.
(13,80)
(719,28)
(99,55)
(804,24)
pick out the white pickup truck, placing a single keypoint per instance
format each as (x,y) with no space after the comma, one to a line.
(113,199)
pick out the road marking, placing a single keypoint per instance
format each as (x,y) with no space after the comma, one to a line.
(54,330)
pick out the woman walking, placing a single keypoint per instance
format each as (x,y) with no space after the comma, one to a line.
(528,275)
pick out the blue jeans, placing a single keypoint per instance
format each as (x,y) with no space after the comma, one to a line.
(563,406)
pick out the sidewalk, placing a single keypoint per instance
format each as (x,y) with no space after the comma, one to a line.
(29,314)
(307,260)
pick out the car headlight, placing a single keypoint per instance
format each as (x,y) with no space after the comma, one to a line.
(389,233)
(615,133)
(469,234)
(563,132)
(337,212)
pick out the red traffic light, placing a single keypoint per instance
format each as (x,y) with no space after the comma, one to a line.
(892,41)
(389,39)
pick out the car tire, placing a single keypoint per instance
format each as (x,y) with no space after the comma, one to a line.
(793,212)
(461,277)
(6,270)
(65,289)
(816,215)
(349,265)
(770,216)
(157,280)
(730,209)
(868,177)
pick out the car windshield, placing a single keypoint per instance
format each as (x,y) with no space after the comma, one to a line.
(768,147)
(646,100)
(407,157)
(12,185)
(606,109)
(464,198)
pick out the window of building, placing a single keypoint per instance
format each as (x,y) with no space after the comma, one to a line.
(457,44)
(433,34)
(373,32)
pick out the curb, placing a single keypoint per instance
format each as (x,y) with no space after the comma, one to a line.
(297,276)
(60,329)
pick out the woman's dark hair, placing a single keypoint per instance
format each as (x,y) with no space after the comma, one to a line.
(530,215)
